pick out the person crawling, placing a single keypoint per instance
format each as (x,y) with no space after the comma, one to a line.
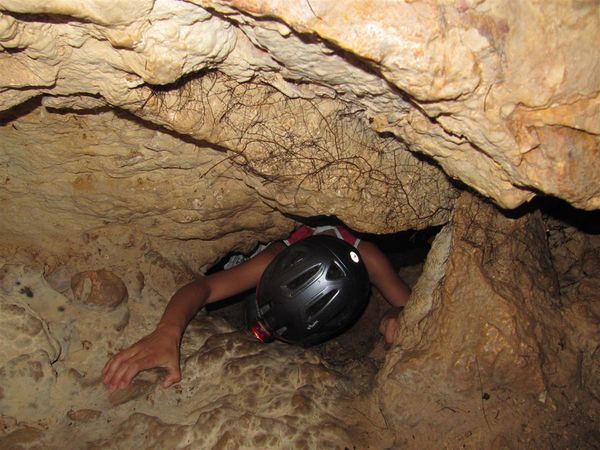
(309,288)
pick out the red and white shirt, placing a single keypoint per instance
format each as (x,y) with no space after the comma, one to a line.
(306,231)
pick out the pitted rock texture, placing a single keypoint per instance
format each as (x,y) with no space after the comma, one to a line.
(503,97)
(486,355)
(137,191)
(236,391)
(88,193)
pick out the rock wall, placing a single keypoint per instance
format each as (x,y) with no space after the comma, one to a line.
(493,352)
(487,353)
(101,190)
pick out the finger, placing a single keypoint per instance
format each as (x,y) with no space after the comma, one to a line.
(126,371)
(109,370)
(129,375)
(173,375)
(113,382)
(390,330)
(117,370)
(383,325)
(116,362)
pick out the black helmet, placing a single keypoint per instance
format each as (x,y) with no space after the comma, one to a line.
(312,291)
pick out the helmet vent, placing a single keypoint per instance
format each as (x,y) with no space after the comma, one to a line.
(301,279)
(318,306)
(296,257)
(335,272)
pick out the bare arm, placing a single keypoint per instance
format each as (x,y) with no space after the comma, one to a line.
(383,275)
(161,347)
(189,299)
(391,286)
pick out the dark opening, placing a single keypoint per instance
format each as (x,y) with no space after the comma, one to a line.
(303,278)
(317,306)
(334,272)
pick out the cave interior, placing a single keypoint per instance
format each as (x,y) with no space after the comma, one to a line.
(145,144)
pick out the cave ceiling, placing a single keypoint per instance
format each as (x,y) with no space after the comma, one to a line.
(466,84)
(385,105)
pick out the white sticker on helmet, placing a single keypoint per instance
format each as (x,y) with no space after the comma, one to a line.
(354,257)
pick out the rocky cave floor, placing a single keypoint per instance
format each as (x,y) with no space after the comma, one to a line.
(51,392)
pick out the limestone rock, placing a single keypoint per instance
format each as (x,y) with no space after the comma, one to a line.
(21,438)
(84,415)
(489,293)
(134,390)
(27,383)
(152,138)
(100,288)
(23,332)
(470,84)
(59,278)
(136,193)
(235,390)
(575,248)
(576,254)
(445,373)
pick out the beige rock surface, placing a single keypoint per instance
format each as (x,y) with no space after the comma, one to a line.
(236,392)
(489,355)
(486,347)
(100,288)
(73,187)
(491,91)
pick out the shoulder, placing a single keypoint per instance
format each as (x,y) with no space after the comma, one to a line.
(301,233)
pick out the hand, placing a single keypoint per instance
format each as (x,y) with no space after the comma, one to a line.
(389,325)
(158,349)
